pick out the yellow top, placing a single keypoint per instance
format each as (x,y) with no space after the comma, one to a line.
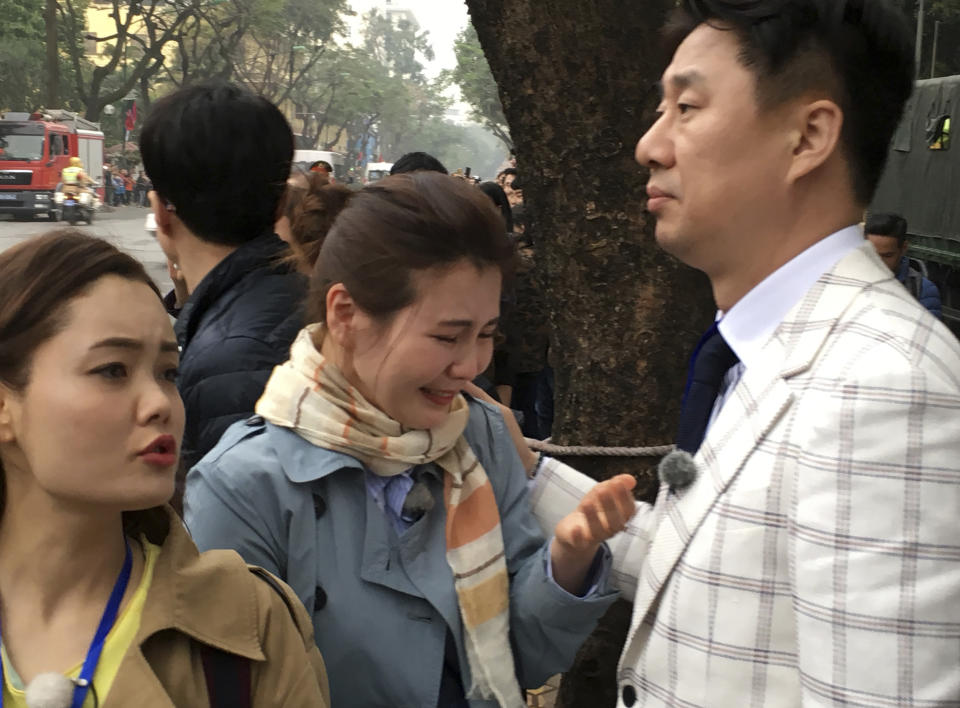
(114,649)
(70,175)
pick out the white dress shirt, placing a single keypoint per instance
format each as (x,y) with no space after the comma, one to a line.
(750,323)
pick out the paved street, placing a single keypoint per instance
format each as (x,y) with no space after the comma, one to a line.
(122,227)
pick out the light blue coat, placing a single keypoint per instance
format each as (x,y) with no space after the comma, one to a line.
(381,603)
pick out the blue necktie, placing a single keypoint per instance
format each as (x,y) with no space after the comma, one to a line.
(711,360)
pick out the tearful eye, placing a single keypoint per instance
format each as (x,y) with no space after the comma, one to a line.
(111,371)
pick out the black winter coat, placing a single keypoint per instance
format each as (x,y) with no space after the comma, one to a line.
(237,325)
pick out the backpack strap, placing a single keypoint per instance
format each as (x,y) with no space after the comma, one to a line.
(228,678)
(228,675)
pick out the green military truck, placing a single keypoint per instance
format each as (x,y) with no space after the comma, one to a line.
(922,183)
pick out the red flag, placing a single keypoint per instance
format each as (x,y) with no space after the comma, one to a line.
(131,119)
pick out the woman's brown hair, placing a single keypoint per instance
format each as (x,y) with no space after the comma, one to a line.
(401,225)
(39,278)
(312,211)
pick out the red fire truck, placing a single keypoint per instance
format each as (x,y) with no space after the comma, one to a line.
(34,149)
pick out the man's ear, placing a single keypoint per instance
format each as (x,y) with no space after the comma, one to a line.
(818,126)
(162,214)
(342,314)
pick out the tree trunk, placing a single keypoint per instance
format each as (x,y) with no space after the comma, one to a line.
(53,56)
(577,82)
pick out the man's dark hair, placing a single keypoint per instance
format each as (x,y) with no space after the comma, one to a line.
(887,225)
(499,199)
(221,157)
(416,162)
(508,171)
(858,51)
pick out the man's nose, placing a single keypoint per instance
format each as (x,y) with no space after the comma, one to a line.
(654,149)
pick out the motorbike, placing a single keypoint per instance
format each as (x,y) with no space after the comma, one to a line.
(75,207)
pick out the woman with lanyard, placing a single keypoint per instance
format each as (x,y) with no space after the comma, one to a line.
(104,599)
(394,506)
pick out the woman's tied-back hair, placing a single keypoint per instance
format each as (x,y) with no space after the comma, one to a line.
(311,212)
(39,278)
(402,225)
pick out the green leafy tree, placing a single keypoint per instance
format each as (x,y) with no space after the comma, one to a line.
(22,35)
(211,41)
(285,44)
(476,83)
(142,29)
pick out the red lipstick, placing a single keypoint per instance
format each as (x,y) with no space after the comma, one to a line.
(162,452)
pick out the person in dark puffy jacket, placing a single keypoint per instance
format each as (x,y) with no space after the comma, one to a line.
(888,233)
(219,158)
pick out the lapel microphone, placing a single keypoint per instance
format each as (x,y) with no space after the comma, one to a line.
(677,470)
(418,502)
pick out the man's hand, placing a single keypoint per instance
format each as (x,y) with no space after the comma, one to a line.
(601,514)
(179,283)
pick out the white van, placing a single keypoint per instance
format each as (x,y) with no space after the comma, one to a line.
(302,159)
(376,171)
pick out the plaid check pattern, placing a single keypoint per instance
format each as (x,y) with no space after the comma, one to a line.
(816,559)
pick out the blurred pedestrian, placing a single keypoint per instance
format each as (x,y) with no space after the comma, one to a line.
(142,186)
(107,184)
(128,186)
(119,189)
(417,161)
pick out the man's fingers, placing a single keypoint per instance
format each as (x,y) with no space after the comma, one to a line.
(596,525)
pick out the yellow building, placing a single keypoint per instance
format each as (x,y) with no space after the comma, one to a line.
(101,23)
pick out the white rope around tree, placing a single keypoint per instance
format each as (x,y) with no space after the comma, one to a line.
(546,447)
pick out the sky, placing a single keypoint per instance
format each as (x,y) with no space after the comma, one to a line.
(444,19)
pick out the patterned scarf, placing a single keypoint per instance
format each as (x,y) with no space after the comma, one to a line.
(311,396)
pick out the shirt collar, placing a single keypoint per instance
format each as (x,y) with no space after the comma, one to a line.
(748,325)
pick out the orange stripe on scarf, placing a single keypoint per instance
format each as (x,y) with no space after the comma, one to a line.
(472,517)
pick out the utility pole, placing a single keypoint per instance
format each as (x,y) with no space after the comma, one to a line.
(53,55)
(918,54)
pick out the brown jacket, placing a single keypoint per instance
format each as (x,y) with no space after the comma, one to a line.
(213,598)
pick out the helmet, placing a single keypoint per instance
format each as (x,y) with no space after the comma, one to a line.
(76,162)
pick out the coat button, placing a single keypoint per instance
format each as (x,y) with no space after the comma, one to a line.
(629,695)
(319,506)
(319,599)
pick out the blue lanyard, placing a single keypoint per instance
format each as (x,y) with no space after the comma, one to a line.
(96,646)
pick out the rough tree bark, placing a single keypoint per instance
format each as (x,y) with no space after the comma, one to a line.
(577,82)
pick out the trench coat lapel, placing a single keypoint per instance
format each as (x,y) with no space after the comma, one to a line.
(380,564)
(430,571)
(137,685)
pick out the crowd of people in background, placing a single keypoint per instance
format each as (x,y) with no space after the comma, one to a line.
(314,489)
(121,188)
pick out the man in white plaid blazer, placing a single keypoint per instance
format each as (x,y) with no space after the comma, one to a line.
(815,558)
